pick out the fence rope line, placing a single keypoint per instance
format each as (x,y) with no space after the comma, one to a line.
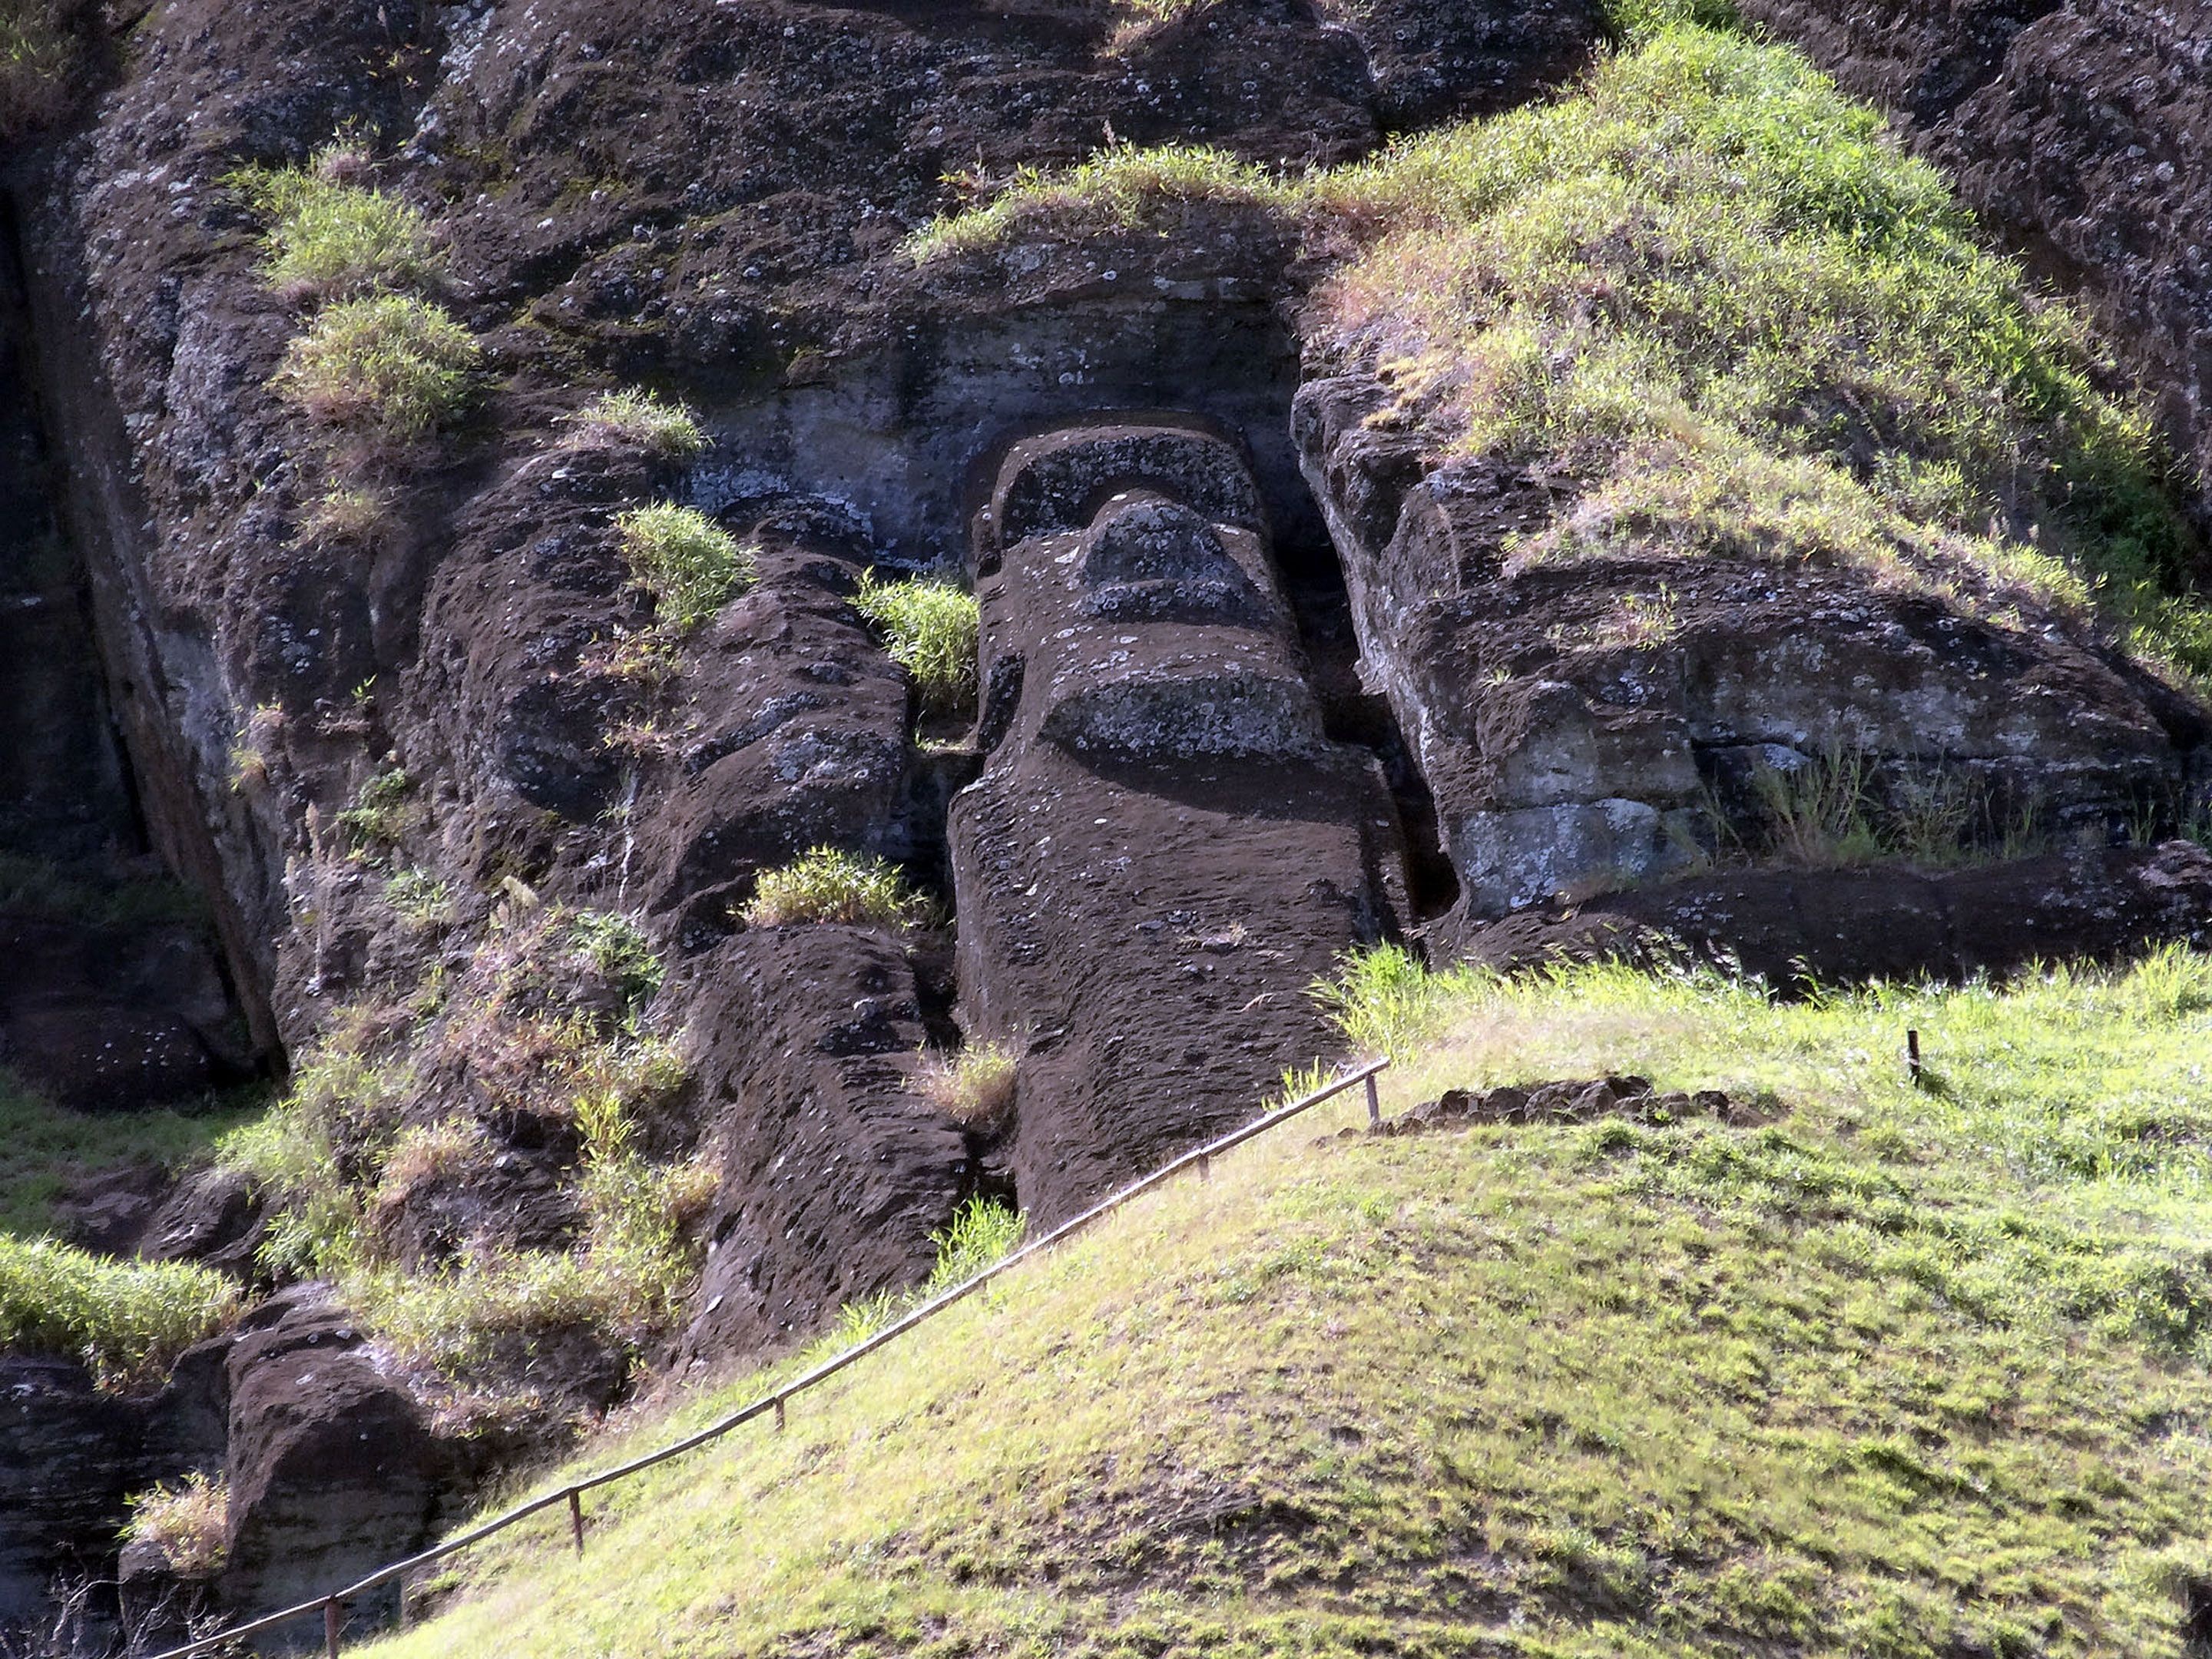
(330,1605)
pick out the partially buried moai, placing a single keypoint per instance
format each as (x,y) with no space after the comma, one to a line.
(1164,848)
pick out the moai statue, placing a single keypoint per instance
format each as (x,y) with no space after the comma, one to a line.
(1164,848)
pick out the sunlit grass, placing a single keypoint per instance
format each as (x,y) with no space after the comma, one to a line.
(1903,1371)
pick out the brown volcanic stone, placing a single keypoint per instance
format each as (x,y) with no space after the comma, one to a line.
(1163,846)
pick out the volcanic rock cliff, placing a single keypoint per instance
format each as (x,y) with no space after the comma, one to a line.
(479,834)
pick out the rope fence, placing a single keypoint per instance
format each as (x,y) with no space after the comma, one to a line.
(332,1605)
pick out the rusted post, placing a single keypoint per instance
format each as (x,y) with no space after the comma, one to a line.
(331,1628)
(778,1413)
(1912,1056)
(1205,1168)
(576,1517)
(1373,1104)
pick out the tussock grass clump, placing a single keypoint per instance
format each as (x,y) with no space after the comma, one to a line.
(932,630)
(643,419)
(333,238)
(618,951)
(974,1086)
(688,562)
(186,1523)
(825,885)
(390,370)
(127,1321)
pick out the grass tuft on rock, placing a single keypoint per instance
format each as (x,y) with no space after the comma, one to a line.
(389,370)
(824,884)
(643,419)
(187,1523)
(332,237)
(1898,1371)
(974,1086)
(932,630)
(688,562)
(125,1320)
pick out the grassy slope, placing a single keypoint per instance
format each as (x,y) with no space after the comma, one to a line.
(1897,1372)
(44,1147)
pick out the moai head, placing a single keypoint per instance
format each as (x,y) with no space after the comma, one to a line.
(1136,589)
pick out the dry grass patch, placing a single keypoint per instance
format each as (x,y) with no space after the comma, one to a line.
(186,1523)
(974,1086)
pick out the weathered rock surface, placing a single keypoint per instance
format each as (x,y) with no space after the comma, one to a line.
(1585,724)
(1792,927)
(1163,846)
(2082,132)
(333,1468)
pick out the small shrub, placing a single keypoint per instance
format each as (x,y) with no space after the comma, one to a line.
(186,1523)
(127,1321)
(643,419)
(689,564)
(393,369)
(933,629)
(974,1087)
(824,884)
(332,239)
(617,950)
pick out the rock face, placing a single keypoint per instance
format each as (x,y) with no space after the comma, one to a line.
(333,1470)
(1163,844)
(2082,132)
(1588,725)
(1799,927)
(69,1457)
(1161,833)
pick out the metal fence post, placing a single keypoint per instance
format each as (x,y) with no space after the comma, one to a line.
(331,1628)
(1912,1056)
(1373,1104)
(576,1517)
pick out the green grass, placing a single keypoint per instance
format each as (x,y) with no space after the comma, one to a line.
(45,1148)
(647,421)
(932,630)
(391,370)
(688,562)
(333,238)
(127,1321)
(1897,1372)
(1721,296)
(824,884)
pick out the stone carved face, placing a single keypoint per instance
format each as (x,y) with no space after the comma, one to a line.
(1138,589)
